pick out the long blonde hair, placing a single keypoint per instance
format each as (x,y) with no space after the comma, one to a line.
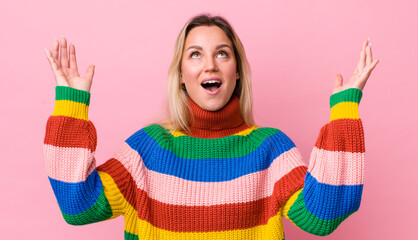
(178,107)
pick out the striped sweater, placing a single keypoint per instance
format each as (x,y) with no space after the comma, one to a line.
(226,181)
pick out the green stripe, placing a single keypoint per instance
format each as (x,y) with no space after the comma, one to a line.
(100,211)
(130,236)
(69,93)
(227,147)
(348,95)
(309,222)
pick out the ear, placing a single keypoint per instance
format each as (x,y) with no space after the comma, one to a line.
(237,75)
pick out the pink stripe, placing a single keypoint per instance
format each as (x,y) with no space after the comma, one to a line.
(69,164)
(337,168)
(166,188)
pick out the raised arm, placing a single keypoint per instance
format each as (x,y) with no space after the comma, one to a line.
(334,182)
(84,194)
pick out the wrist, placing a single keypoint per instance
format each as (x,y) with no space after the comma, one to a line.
(344,104)
(71,102)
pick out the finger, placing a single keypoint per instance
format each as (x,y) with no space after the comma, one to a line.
(51,60)
(55,52)
(362,60)
(373,65)
(369,57)
(63,53)
(73,60)
(366,74)
(90,72)
(338,82)
(55,68)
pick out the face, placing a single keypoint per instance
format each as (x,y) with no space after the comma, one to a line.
(208,67)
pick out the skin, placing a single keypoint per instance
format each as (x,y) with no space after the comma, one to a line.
(364,68)
(65,68)
(208,53)
(208,62)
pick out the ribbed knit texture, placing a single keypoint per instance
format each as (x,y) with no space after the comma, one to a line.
(222,180)
(221,123)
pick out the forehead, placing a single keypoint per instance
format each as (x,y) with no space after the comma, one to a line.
(206,36)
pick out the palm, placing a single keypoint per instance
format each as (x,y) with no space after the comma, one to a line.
(361,74)
(71,78)
(65,69)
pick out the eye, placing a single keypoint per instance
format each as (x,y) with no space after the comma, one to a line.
(223,54)
(195,54)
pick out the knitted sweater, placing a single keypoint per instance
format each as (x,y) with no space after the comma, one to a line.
(223,180)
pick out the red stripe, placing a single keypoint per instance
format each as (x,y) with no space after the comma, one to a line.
(207,133)
(204,218)
(122,178)
(342,135)
(64,131)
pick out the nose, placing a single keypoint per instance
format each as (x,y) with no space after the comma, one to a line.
(211,65)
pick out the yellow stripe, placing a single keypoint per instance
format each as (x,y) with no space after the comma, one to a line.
(247,131)
(272,230)
(345,110)
(70,108)
(177,133)
(289,203)
(113,195)
(242,133)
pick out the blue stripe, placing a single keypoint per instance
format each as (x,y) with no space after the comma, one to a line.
(75,198)
(164,161)
(327,201)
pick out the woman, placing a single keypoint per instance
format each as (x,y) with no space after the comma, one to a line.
(210,172)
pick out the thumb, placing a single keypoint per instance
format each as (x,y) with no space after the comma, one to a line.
(90,72)
(338,82)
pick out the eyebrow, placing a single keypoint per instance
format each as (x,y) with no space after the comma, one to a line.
(217,47)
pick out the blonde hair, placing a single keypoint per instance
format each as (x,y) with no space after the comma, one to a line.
(178,106)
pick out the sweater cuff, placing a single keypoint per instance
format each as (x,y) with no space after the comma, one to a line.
(344,104)
(71,102)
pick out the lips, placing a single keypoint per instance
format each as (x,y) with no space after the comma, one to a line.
(211,84)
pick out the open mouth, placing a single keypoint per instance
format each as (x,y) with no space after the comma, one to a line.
(211,85)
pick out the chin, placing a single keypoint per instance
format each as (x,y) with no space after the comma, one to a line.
(213,105)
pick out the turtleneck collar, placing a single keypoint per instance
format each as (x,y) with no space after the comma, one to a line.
(215,124)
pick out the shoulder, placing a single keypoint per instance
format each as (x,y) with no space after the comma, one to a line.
(274,136)
(268,131)
(147,134)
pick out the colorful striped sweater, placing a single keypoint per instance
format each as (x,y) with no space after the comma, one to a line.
(229,181)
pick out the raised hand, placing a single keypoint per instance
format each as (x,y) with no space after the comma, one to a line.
(65,68)
(364,68)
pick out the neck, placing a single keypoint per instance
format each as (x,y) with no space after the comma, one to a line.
(215,124)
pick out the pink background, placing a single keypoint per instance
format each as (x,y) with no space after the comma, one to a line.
(295,48)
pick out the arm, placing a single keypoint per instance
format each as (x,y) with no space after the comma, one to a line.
(334,181)
(84,194)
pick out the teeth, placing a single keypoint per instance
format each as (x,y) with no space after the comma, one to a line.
(211,81)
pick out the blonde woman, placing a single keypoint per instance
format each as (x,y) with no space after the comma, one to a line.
(209,172)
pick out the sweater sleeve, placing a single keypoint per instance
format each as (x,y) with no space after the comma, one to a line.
(84,194)
(333,184)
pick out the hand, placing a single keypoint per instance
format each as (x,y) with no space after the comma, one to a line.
(65,71)
(364,68)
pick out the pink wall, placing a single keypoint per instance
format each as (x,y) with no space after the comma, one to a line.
(295,49)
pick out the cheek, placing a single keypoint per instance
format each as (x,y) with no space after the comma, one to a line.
(190,74)
(231,71)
